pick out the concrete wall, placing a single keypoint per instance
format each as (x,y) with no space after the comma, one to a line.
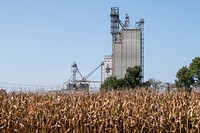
(126,53)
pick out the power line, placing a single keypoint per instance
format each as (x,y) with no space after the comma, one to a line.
(27,85)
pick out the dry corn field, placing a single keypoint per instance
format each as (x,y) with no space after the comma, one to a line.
(109,112)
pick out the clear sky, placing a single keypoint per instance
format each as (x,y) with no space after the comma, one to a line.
(40,39)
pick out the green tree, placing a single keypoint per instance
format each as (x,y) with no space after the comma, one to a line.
(184,79)
(121,83)
(195,69)
(109,83)
(133,77)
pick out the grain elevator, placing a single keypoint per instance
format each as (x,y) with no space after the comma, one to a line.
(127,46)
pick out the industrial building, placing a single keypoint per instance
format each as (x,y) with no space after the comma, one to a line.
(82,84)
(127,46)
(127,51)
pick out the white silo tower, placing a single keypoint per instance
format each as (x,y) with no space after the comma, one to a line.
(127,44)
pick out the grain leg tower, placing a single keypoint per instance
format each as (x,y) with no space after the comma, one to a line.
(127,46)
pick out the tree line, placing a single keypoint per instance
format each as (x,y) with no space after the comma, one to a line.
(187,79)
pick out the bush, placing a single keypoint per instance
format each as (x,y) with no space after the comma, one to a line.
(3,92)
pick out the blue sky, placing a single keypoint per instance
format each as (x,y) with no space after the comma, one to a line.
(40,39)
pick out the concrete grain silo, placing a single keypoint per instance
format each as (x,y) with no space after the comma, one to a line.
(127,44)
